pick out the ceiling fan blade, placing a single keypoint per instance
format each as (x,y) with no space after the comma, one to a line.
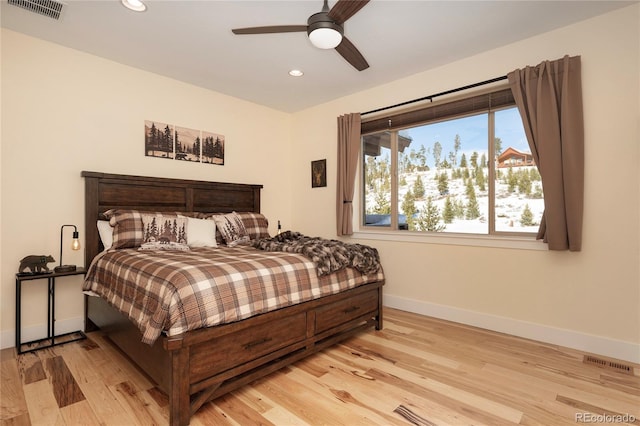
(352,55)
(345,9)
(271,29)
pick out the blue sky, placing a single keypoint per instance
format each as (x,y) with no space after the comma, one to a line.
(473,134)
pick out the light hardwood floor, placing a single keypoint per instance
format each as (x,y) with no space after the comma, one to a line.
(432,371)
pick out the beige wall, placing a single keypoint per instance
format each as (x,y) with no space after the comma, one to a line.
(64,111)
(594,293)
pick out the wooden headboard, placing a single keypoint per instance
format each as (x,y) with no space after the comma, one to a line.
(110,191)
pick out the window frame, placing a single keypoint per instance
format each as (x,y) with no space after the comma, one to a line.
(423,116)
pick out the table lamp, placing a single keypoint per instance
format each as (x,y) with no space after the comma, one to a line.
(75,245)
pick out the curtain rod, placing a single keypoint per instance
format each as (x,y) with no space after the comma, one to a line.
(430,97)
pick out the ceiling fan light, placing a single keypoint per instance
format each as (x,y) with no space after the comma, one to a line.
(325,38)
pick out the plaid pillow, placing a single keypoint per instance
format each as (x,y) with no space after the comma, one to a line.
(256,224)
(127,228)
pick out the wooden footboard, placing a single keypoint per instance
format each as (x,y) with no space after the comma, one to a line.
(201,365)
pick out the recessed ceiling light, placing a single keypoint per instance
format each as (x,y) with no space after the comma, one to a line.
(136,5)
(296,73)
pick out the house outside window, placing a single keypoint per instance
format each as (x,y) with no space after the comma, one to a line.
(465,169)
(514,158)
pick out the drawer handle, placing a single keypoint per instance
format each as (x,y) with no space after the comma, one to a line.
(258,342)
(351,309)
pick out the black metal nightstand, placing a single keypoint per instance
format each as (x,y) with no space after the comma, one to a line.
(52,338)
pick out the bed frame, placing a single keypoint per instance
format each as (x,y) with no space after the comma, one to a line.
(203,364)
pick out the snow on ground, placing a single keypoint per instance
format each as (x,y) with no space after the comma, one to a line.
(509,206)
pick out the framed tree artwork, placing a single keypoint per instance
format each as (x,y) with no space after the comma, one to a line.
(318,173)
(181,143)
(158,139)
(212,148)
(187,144)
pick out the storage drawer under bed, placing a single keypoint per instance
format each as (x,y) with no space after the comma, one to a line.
(346,310)
(246,345)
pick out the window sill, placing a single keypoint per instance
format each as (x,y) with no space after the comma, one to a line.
(508,242)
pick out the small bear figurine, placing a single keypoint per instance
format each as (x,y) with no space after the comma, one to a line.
(36,263)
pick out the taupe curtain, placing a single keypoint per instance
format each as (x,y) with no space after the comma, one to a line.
(348,152)
(549,98)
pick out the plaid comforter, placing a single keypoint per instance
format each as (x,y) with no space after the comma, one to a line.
(177,291)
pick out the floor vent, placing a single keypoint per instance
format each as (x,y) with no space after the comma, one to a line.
(623,368)
(49,8)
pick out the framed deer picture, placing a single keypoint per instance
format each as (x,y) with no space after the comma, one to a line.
(318,173)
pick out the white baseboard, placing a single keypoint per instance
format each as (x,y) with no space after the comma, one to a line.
(34,332)
(572,339)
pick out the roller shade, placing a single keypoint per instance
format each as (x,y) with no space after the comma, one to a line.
(439,111)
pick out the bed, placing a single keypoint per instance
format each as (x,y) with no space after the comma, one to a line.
(199,365)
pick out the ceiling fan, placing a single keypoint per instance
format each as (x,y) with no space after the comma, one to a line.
(325,30)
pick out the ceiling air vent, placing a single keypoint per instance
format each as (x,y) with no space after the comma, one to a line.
(49,8)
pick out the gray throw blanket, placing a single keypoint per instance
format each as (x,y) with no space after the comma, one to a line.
(328,255)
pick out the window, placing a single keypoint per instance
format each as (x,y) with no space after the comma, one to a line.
(459,167)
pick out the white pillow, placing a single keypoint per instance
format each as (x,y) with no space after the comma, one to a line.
(106,233)
(201,233)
